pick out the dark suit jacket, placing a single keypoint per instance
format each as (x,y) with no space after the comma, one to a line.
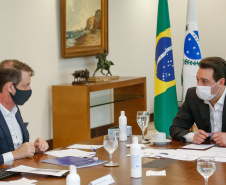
(6,142)
(193,110)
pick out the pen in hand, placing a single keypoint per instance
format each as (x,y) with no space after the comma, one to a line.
(210,134)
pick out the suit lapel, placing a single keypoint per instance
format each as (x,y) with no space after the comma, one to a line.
(224,117)
(5,129)
(22,126)
(205,115)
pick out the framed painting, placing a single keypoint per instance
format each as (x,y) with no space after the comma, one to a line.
(84,27)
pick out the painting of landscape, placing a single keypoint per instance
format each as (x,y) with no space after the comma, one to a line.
(83,23)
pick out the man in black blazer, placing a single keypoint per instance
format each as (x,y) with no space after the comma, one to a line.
(204,105)
(15,89)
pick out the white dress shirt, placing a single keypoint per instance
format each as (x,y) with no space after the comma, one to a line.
(14,129)
(215,117)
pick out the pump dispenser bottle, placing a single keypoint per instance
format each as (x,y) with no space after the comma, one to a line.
(135,152)
(73,178)
(122,127)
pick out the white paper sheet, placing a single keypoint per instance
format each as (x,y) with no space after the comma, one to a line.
(42,171)
(198,147)
(23,181)
(157,153)
(217,149)
(105,180)
(129,145)
(79,146)
(70,152)
(184,154)
(156,173)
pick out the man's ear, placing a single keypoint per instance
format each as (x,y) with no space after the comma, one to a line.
(9,87)
(222,81)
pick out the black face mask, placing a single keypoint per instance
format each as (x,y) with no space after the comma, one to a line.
(20,96)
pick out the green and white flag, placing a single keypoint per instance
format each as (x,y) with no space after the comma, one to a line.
(192,53)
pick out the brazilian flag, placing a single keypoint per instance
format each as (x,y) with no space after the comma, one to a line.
(165,107)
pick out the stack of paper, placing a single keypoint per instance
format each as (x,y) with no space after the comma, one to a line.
(70,152)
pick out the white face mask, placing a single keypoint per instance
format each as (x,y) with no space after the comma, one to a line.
(204,92)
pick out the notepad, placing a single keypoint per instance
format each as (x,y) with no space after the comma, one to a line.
(198,146)
(77,161)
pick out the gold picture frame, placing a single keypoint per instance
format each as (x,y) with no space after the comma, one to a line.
(79,40)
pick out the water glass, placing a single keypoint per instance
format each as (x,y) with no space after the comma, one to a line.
(206,166)
(142,121)
(110,144)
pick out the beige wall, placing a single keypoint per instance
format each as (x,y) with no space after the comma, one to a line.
(30,31)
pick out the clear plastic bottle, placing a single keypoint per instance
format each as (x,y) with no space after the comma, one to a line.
(73,178)
(122,127)
(135,152)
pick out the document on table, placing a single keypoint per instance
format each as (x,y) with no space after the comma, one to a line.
(105,180)
(218,153)
(79,146)
(184,154)
(157,153)
(129,145)
(198,147)
(23,181)
(187,155)
(217,150)
(70,152)
(41,171)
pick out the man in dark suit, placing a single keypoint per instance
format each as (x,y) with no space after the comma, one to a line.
(204,105)
(15,78)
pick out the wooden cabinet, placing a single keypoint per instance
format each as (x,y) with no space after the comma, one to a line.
(71,107)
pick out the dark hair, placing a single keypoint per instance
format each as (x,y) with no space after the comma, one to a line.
(218,65)
(17,64)
(9,75)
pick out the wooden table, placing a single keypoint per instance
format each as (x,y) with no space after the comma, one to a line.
(177,173)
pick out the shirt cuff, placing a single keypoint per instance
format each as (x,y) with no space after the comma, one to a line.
(8,157)
(189,137)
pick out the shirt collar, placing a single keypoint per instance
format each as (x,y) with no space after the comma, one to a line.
(220,101)
(6,112)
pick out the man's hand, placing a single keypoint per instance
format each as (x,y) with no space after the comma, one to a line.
(219,138)
(200,137)
(25,150)
(40,145)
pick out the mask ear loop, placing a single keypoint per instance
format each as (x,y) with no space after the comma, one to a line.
(217,90)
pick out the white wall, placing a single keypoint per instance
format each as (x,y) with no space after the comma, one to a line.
(31,32)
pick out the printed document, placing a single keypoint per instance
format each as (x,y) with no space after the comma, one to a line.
(79,146)
(42,171)
(70,152)
(23,181)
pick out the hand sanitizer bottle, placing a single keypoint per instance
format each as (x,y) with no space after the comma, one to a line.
(135,155)
(122,127)
(73,178)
